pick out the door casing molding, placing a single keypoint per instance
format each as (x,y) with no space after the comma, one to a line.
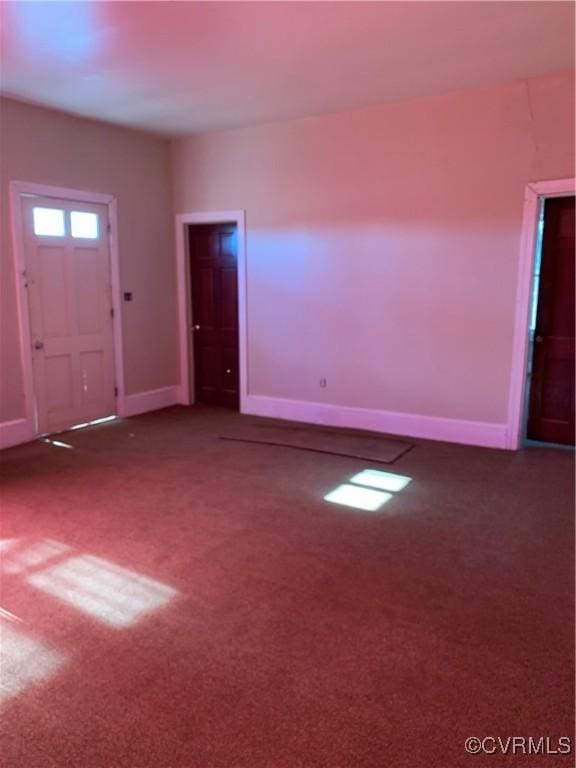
(183,220)
(535,192)
(17,190)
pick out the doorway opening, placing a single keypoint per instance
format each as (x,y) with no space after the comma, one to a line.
(549,395)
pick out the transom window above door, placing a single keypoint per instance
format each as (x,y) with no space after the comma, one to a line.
(51,222)
(84,225)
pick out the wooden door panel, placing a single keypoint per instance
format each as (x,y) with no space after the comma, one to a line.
(93,379)
(208,367)
(58,383)
(551,411)
(90,312)
(53,318)
(214,288)
(230,369)
(228,290)
(69,291)
(204,302)
(556,389)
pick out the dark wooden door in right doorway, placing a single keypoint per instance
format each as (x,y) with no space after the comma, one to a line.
(214,288)
(551,410)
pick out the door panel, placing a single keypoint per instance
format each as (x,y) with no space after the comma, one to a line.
(88,273)
(58,390)
(205,301)
(70,300)
(51,276)
(229,307)
(214,282)
(551,413)
(93,381)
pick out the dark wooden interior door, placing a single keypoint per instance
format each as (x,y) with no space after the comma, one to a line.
(551,413)
(214,284)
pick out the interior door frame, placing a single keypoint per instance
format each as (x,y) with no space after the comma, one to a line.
(183,221)
(534,194)
(18,189)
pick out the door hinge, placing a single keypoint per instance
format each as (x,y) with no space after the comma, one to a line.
(111,311)
(115,391)
(109,228)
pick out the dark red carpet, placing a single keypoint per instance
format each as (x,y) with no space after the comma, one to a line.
(171,600)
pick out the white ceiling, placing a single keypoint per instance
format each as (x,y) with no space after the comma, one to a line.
(181,67)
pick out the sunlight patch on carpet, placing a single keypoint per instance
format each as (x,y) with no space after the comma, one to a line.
(4,614)
(92,423)
(369,489)
(24,661)
(32,556)
(112,594)
(357,497)
(57,443)
(384,481)
(6,544)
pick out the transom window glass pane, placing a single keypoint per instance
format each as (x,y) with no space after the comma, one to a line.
(84,224)
(48,221)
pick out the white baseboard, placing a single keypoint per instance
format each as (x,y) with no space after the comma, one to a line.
(478,433)
(153,400)
(16,432)
(405,424)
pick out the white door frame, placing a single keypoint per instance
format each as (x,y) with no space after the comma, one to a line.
(534,194)
(183,220)
(17,190)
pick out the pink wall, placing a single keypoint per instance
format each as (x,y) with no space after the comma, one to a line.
(42,146)
(383,243)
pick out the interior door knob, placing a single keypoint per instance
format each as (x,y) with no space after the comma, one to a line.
(195,327)
(38,345)
(538,339)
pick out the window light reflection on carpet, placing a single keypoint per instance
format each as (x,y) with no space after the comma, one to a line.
(93,423)
(4,614)
(24,661)
(385,481)
(114,595)
(360,498)
(21,559)
(57,443)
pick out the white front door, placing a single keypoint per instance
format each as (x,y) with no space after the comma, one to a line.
(70,301)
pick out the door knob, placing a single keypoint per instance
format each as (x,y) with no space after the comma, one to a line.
(195,327)
(538,339)
(38,345)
